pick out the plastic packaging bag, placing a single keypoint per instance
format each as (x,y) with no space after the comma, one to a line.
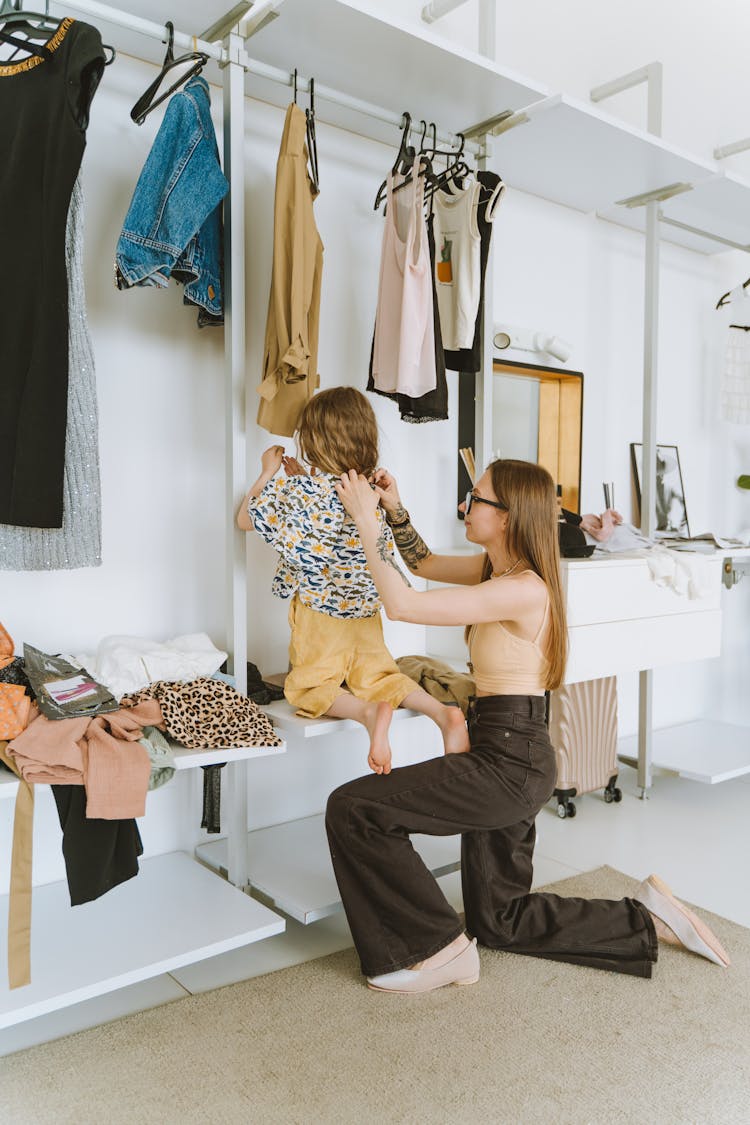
(62,690)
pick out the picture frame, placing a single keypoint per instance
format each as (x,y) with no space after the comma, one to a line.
(671,509)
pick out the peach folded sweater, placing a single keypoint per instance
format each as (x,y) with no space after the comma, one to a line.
(102,753)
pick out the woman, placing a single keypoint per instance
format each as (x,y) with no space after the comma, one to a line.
(407,935)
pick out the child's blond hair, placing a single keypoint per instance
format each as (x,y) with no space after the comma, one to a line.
(338,431)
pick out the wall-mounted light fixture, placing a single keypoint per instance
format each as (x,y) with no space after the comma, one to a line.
(528,340)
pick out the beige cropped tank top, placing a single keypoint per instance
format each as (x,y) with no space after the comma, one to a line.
(504,664)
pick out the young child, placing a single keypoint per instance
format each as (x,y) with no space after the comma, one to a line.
(337,632)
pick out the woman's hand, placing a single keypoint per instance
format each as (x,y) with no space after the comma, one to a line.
(293,468)
(387,490)
(270,460)
(601,527)
(358,496)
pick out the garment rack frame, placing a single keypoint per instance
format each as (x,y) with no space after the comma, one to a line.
(233,59)
(234,64)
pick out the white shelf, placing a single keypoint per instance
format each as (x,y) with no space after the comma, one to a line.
(635,219)
(185,759)
(284,718)
(720,204)
(290,865)
(148,926)
(172,913)
(349,46)
(700,751)
(573,153)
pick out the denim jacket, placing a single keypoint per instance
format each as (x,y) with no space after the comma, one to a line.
(173,225)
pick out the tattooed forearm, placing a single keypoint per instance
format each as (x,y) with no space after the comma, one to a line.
(386,556)
(411,545)
(398,515)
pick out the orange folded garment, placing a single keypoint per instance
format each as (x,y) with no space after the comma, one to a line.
(6,648)
(15,710)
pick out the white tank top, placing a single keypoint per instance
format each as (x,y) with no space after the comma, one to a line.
(457,263)
(403,357)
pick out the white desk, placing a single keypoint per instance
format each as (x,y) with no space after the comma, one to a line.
(621,621)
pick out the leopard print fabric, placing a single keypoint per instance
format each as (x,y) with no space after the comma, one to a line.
(208,714)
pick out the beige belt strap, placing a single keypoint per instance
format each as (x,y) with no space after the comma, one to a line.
(19,909)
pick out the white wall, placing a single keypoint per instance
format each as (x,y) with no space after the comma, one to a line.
(161,380)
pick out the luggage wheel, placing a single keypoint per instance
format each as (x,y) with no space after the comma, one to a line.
(565,809)
(612,793)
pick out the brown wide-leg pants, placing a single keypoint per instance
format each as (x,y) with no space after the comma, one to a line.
(397,913)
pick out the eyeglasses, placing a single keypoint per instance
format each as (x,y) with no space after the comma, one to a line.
(472,499)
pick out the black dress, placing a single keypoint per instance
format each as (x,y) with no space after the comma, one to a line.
(44,108)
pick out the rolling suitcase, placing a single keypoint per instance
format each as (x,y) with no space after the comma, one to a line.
(583,732)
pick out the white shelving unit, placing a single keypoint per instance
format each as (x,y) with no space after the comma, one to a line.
(173,913)
(290,865)
(558,148)
(699,751)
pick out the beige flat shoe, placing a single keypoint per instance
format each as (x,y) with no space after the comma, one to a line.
(463,969)
(694,934)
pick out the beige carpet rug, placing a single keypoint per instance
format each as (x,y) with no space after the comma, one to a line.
(534,1041)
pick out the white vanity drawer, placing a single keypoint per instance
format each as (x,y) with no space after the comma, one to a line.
(619,620)
(598,590)
(613,647)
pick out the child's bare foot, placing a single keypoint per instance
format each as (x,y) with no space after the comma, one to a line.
(455,734)
(377,720)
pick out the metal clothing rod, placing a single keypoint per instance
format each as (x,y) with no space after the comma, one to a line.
(326,93)
(703,233)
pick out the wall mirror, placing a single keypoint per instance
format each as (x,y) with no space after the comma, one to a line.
(537,416)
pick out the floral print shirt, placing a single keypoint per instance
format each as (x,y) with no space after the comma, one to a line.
(322,557)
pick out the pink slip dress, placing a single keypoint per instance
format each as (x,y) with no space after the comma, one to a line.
(404,344)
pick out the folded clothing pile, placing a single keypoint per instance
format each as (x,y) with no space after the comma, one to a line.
(207,714)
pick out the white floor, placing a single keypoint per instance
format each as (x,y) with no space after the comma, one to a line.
(696,836)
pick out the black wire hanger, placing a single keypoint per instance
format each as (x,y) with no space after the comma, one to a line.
(404,161)
(146,102)
(725,299)
(36,25)
(312,140)
(11,14)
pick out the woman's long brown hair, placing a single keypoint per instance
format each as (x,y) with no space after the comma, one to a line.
(528,493)
(338,431)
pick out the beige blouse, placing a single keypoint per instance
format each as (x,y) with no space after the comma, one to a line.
(290,364)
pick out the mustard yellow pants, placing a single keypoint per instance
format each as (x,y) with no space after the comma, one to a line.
(327,652)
